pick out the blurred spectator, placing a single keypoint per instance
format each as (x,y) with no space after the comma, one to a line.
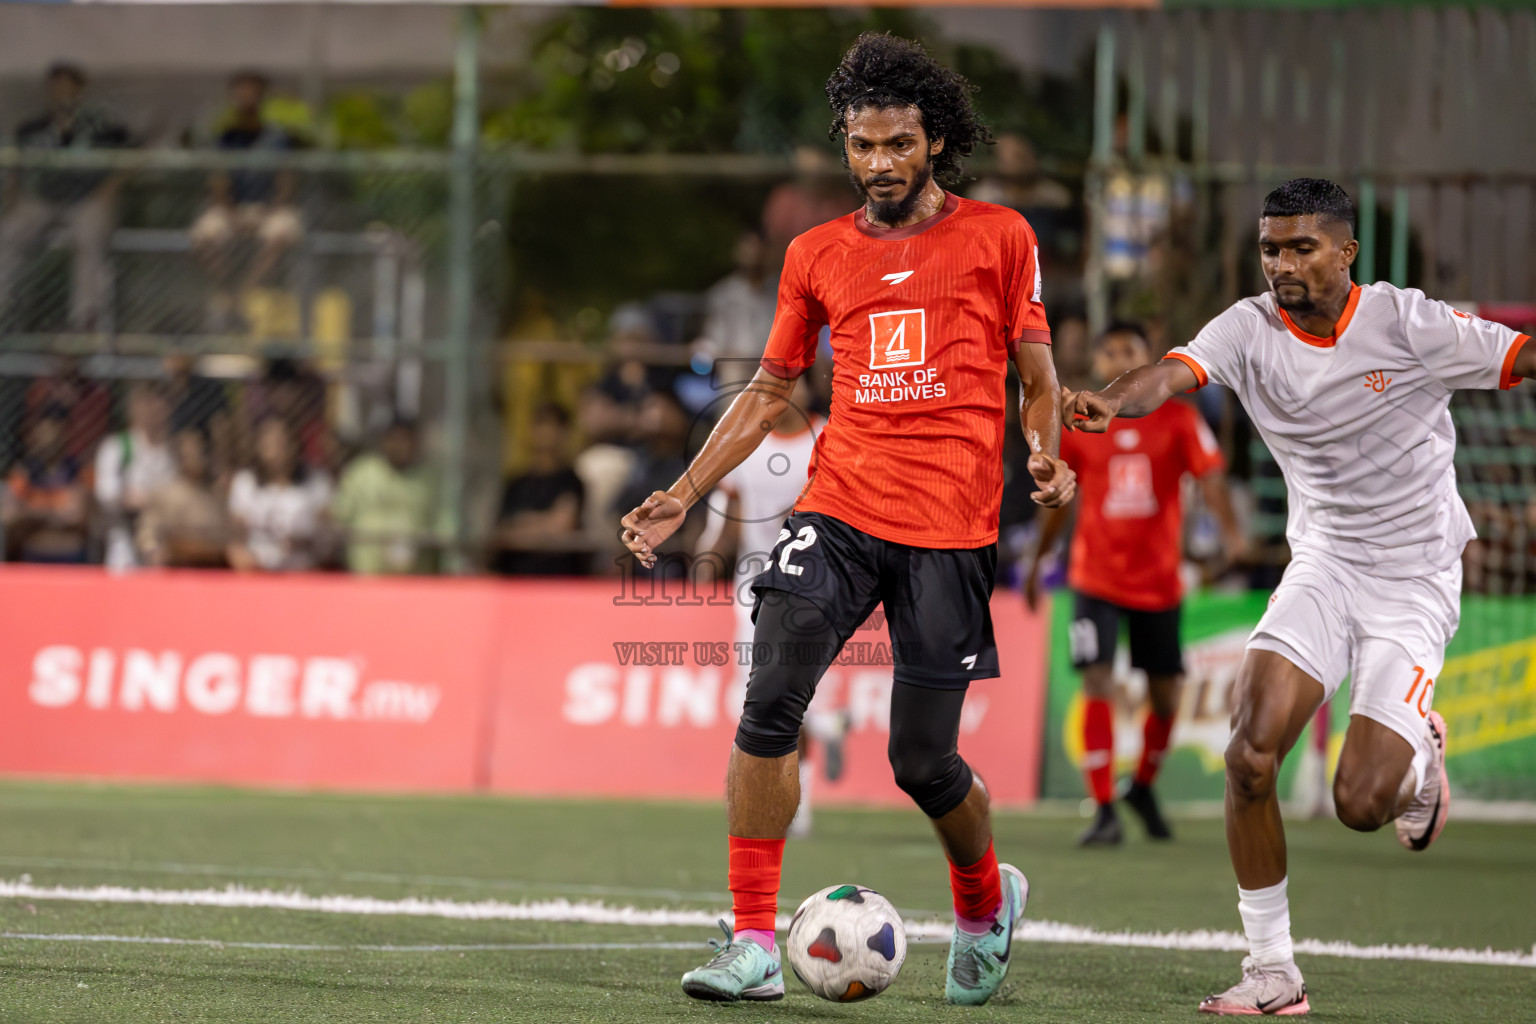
(295,394)
(527,379)
(86,404)
(631,332)
(539,530)
(84,202)
(385,502)
(663,426)
(184,522)
(130,465)
(604,466)
(246,204)
(1020,184)
(816,194)
(198,403)
(43,509)
(277,507)
(1018,181)
(739,314)
(1069,346)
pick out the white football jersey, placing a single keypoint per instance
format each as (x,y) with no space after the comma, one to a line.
(1360,422)
(766,486)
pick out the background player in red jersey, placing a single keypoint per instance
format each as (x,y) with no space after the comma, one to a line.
(1124,564)
(929,297)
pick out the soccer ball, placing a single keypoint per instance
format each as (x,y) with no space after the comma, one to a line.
(846,943)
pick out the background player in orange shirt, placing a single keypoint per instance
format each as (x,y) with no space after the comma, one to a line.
(929,297)
(1125,565)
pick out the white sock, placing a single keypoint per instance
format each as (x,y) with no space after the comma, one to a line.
(1266,917)
(801,825)
(1419,769)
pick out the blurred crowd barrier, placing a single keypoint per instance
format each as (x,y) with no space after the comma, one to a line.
(236,359)
(579,687)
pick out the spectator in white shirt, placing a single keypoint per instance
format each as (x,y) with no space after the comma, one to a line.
(130,466)
(277,508)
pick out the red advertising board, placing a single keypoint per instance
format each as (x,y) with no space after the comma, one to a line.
(632,700)
(277,680)
(550,687)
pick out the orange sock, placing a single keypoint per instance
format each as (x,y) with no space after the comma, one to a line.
(754,881)
(1099,749)
(1154,743)
(977,888)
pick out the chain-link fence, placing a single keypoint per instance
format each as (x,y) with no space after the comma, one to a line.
(214,359)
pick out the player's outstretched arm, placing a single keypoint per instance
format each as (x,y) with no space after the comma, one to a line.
(751,415)
(1525,362)
(1040,415)
(1133,394)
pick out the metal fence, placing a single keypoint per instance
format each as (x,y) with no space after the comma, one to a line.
(362,303)
(134,307)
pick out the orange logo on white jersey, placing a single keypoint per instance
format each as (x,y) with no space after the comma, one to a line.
(898,339)
(1377,381)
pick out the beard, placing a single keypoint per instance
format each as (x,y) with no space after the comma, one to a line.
(893,211)
(1302,304)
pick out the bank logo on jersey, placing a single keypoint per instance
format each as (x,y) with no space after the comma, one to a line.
(899,338)
(1131,494)
(1377,381)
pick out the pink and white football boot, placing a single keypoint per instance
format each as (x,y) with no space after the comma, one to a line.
(1263,991)
(1421,823)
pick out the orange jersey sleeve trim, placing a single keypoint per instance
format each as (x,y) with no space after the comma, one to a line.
(1338,328)
(1200,374)
(1029,337)
(1507,378)
(782,370)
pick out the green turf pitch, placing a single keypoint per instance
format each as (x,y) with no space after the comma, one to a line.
(1475,889)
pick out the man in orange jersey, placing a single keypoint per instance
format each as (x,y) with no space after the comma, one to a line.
(928,297)
(1125,565)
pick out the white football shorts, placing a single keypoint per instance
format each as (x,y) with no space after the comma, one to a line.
(1332,619)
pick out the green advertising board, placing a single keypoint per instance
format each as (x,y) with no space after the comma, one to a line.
(1486,691)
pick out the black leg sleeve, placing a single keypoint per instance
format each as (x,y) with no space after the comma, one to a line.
(793,646)
(924,747)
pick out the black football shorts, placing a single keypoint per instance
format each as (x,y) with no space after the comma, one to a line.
(937,600)
(1155,646)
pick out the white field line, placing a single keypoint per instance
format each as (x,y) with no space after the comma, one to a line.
(309,947)
(566,911)
(370,877)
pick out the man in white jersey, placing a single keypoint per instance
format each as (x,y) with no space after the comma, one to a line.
(1349,386)
(751,503)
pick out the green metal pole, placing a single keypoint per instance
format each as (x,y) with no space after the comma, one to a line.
(1136,98)
(1398,274)
(1365,263)
(1104,94)
(461,283)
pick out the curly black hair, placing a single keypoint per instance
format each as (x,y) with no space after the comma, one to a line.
(1301,196)
(883,71)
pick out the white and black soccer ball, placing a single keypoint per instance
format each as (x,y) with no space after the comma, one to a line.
(846,943)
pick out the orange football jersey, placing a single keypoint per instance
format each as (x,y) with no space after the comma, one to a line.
(1130,521)
(923,321)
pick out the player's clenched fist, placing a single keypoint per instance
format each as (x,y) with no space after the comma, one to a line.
(1086,410)
(1058,484)
(652,521)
